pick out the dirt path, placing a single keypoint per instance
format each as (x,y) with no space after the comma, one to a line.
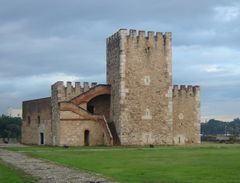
(48,172)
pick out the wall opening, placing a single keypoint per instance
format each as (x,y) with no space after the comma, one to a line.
(179,140)
(41,138)
(99,105)
(38,120)
(28,120)
(90,108)
(86,137)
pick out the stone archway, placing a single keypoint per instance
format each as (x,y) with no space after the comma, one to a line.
(99,105)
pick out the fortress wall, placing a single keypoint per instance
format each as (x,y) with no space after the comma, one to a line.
(113,77)
(72,132)
(31,128)
(186,114)
(65,93)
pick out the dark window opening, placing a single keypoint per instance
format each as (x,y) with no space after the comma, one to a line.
(90,108)
(38,120)
(42,138)
(28,120)
(86,137)
(179,140)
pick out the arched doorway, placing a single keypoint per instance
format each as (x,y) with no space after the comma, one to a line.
(86,137)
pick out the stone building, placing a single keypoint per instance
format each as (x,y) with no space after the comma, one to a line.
(137,106)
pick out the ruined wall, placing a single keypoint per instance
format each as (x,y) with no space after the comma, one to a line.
(31,128)
(186,114)
(140,73)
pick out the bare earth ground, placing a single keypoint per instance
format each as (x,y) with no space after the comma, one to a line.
(46,171)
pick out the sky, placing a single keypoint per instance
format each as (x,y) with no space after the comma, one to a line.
(50,40)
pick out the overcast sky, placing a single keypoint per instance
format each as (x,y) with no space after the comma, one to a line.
(49,40)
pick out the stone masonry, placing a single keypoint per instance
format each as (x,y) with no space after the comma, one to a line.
(140,72)
(138,106)
(140,66)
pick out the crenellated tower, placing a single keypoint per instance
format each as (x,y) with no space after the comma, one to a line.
(139,69)
(186,114)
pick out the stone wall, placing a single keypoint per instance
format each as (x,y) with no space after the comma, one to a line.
(139,71)
(61,93)
(75,120)
(113,77)
(58,94)
(37,119)
(72,132)
(186,114)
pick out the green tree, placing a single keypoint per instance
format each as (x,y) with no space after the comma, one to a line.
(10,127)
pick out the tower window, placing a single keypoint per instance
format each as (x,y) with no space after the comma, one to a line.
(38,120)
(28,120)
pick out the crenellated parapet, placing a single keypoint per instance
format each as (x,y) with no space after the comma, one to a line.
(188,91)
(142,38)
(70,90)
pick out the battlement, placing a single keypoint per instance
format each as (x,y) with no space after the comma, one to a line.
(68,91)
(183,90)
(152,38)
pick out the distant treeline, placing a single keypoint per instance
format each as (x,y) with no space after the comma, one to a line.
(216,127)
(10,127)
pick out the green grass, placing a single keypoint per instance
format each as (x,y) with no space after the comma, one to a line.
(188,164)
(8,174)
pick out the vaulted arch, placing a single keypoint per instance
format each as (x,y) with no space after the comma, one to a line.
(92,93)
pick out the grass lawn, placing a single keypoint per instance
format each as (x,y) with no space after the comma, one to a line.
(8,174)
(169,164)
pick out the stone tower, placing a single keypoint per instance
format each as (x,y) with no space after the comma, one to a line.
(139,69)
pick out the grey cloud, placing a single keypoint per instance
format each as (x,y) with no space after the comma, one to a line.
(40,39)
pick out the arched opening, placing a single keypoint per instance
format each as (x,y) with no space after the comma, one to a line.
(99,105)
(86,137)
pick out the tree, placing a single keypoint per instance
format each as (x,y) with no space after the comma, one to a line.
(216,127)
(10,127)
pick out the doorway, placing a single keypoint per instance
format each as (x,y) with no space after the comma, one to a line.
(86,137)
(41,138)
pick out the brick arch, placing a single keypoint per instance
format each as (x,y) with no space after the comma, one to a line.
(92,93)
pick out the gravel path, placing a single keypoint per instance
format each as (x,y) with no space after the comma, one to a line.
(48,172)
